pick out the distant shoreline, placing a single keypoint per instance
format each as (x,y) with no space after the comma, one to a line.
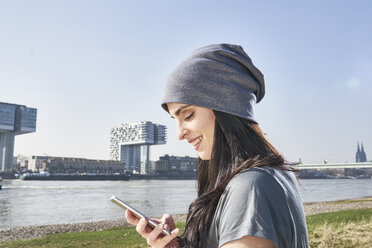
(30,232)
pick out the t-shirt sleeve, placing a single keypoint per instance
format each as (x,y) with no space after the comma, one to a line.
(253,204)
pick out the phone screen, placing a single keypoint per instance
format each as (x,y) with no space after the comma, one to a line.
(137,213)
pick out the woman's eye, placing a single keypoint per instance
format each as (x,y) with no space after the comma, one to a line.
(189,117)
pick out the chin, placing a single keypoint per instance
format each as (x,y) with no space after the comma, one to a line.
(204,157)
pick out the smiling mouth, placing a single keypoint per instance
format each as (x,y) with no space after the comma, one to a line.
(196,141)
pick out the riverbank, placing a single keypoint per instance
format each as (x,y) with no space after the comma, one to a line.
(30,232)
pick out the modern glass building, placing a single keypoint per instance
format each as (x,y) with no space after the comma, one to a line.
(130,143)
(14,120)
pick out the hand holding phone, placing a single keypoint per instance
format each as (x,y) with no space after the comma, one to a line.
(137,213)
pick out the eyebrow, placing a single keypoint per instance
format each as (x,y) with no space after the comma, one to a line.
(180,109)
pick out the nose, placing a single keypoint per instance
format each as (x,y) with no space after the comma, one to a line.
(181,132)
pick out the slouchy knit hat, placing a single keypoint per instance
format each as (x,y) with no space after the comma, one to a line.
(221,77)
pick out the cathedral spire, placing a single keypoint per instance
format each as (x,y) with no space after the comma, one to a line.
(363,156)
(357,155)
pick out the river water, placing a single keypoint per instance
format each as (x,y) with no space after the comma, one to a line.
(25,203)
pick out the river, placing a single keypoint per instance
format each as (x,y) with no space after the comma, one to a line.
(25,203)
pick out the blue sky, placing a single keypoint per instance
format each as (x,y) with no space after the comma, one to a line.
(88,66)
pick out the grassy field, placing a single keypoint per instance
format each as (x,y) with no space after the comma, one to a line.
(349,228)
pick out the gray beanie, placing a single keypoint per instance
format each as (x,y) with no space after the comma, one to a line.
(221,77)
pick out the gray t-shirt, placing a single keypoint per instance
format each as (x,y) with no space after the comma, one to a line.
(262,202)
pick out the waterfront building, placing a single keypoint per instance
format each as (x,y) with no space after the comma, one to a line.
(21,163)
(130,144)
(360,155)
(175,165)
(14,120)
(58,165)
(35,163)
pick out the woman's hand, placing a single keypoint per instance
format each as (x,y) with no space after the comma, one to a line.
(154,237)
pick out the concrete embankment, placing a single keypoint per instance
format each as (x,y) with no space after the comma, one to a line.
(30,232)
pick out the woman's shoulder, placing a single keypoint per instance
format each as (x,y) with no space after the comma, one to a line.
(263,177)
(252,178)
(257,174)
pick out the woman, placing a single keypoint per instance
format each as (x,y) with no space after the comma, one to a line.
(247,194)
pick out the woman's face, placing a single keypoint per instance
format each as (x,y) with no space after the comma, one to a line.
(196,125)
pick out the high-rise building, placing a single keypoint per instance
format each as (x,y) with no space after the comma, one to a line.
(360,155)
(14,120)
(130,143)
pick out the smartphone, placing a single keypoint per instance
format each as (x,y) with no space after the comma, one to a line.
(137,213)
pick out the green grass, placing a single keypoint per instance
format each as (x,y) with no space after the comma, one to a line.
(338,218)
(115,237)
(109,238)
(348,228)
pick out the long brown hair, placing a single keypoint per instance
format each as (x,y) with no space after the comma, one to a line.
(238,144)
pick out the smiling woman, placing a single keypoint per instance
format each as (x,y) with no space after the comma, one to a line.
(248,195)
